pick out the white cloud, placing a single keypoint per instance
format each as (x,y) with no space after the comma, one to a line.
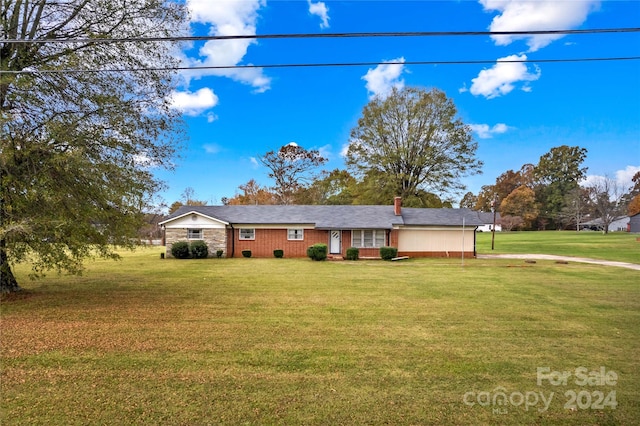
(325,151)
(254,162)
(502,77)
(344,149)
(381,79)
(194,103)
(622,178)
(320,9)
(485,132)
(211,148)
(227,18)
(539,15)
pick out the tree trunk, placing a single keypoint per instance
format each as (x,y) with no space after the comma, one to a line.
(8,283)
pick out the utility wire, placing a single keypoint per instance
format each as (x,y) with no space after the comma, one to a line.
(334,64)
(98,39)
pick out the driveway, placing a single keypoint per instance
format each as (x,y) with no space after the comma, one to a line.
(561,258)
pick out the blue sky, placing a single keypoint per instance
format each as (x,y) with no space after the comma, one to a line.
(518,111)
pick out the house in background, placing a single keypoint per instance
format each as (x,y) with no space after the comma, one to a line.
(634,223)
(416,232)
(618,224)
(487,222)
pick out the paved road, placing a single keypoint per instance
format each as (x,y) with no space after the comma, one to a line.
(562,258)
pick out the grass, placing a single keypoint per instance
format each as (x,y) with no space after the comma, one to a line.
(291,341)
(620,246)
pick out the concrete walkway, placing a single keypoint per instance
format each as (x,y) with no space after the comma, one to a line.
(561,258)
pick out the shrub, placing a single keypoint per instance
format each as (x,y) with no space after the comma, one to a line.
(353,253)
(317,252)
(278,253)
(199,249)
(246,253)
(388,253)
(219,253)
(180,250)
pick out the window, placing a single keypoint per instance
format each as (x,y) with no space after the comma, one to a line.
(295,234)
(194,234)
(247,234)
(367,238)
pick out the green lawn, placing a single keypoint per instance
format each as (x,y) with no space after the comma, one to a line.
(620,246)
(291,341)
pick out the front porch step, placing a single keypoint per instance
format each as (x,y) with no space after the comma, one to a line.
(335,257)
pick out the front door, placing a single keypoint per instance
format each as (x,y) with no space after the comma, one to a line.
(334,241)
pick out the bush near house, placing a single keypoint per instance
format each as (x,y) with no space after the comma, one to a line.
(353,253)
(317,252)
(388,253)
(279,254)
(219,253)
(199,249)
(180,250)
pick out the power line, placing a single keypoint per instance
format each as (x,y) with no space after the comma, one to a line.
(326,35)
(326,64)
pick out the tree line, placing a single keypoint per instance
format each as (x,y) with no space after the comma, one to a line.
(551,195)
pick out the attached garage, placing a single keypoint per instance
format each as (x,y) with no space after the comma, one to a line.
(436,242)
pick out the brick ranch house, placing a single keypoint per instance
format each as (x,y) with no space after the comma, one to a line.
(416,232)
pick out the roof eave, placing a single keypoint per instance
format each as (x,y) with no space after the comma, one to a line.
(193,212)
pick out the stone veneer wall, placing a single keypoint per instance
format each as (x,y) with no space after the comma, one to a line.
(216,239)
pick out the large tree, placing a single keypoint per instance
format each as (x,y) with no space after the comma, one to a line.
(79,126)
(576,207)
(414,141)
(521,203)
(292,169)
(606,197)
(335,187)
(558,172)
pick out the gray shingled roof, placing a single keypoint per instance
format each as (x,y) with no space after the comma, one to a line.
(443,217)
(334,217)
(487,217)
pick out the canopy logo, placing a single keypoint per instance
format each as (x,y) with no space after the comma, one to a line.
(594,399)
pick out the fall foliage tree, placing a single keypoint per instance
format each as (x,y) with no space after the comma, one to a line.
(252,194)
(505,184)
(521,202)
(634,206)
(632,198)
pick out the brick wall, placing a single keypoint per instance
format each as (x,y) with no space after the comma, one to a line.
(215,239)
(268,240)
